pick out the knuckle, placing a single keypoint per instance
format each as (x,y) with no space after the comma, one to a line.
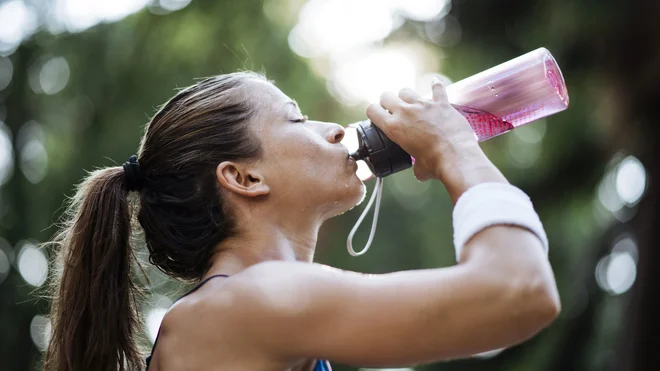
(410,112)
(391,121)
(384,95)
(427,103)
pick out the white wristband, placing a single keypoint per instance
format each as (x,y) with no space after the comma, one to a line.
(489,204)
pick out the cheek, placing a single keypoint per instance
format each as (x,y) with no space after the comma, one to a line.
(295,142)
(304,152)
(295,158)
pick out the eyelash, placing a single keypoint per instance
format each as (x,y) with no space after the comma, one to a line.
(301,121)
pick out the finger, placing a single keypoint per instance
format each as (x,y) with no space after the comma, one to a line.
(378,115)
(420,173)
(391,102)
(409,96)
(439,92)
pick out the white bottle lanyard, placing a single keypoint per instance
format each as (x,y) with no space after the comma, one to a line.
(376,195)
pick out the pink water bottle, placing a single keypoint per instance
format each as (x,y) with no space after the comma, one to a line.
(511,94)
(494,102)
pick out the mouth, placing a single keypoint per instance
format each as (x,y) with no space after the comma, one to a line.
(352,163)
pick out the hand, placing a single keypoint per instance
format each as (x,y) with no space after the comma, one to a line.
(437,136)
(431,131)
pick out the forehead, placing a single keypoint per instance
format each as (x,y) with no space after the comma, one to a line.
(271,105)
(268,97)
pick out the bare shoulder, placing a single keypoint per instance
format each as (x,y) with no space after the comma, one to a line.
(277,285)
(247,313)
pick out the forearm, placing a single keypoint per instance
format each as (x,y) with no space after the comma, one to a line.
(465,168)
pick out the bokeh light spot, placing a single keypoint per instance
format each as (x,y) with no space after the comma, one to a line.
(616,273)
(54,75)
(32,264)
(630,180)
(174,5)
(364,76)
(40,329)
(155,314)
(79,15)
(34,161)
(18,22)
(421,10)
(607,194)
(6,154)
(33,157)
(626,244)
(154,318)
(331,26)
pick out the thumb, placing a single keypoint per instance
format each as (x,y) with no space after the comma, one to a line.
(438,89)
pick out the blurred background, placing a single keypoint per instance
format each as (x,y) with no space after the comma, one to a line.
(80,78)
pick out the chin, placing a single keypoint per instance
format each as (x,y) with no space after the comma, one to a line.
(354,196)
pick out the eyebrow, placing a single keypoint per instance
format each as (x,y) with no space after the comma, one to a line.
(293,103)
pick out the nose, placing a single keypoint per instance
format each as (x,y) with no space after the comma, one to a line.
(335,133)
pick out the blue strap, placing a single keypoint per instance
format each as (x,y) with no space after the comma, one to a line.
(321,365)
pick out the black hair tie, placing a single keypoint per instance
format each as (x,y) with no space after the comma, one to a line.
(133,172)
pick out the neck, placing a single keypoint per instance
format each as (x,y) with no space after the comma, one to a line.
(264,241)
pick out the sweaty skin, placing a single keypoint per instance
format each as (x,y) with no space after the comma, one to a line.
(279,311)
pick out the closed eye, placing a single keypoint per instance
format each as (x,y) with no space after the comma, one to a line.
(301,120)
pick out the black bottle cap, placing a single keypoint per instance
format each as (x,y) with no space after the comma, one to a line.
(383,156)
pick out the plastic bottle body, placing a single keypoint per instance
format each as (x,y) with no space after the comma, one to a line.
(511,94)
(494,102)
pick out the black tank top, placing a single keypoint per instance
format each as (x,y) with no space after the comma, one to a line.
(321,365)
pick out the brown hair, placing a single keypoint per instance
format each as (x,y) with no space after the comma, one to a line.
(94,317)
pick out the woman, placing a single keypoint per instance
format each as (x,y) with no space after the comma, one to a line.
(233,184)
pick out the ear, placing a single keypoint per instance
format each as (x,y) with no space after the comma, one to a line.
(239,179)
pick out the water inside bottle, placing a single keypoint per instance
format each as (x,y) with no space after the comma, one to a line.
(485,125)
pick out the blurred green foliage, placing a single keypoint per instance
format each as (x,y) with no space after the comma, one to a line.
(121,72)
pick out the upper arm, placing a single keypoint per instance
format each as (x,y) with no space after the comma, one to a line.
(298,310)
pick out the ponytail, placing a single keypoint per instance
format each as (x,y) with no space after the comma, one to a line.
(94,318)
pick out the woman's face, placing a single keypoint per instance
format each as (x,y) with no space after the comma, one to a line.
(303,162)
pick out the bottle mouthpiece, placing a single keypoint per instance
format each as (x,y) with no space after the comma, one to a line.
(360,154)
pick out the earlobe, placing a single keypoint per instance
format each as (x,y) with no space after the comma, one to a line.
(241,180)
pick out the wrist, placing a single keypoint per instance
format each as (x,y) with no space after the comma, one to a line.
(466,168)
